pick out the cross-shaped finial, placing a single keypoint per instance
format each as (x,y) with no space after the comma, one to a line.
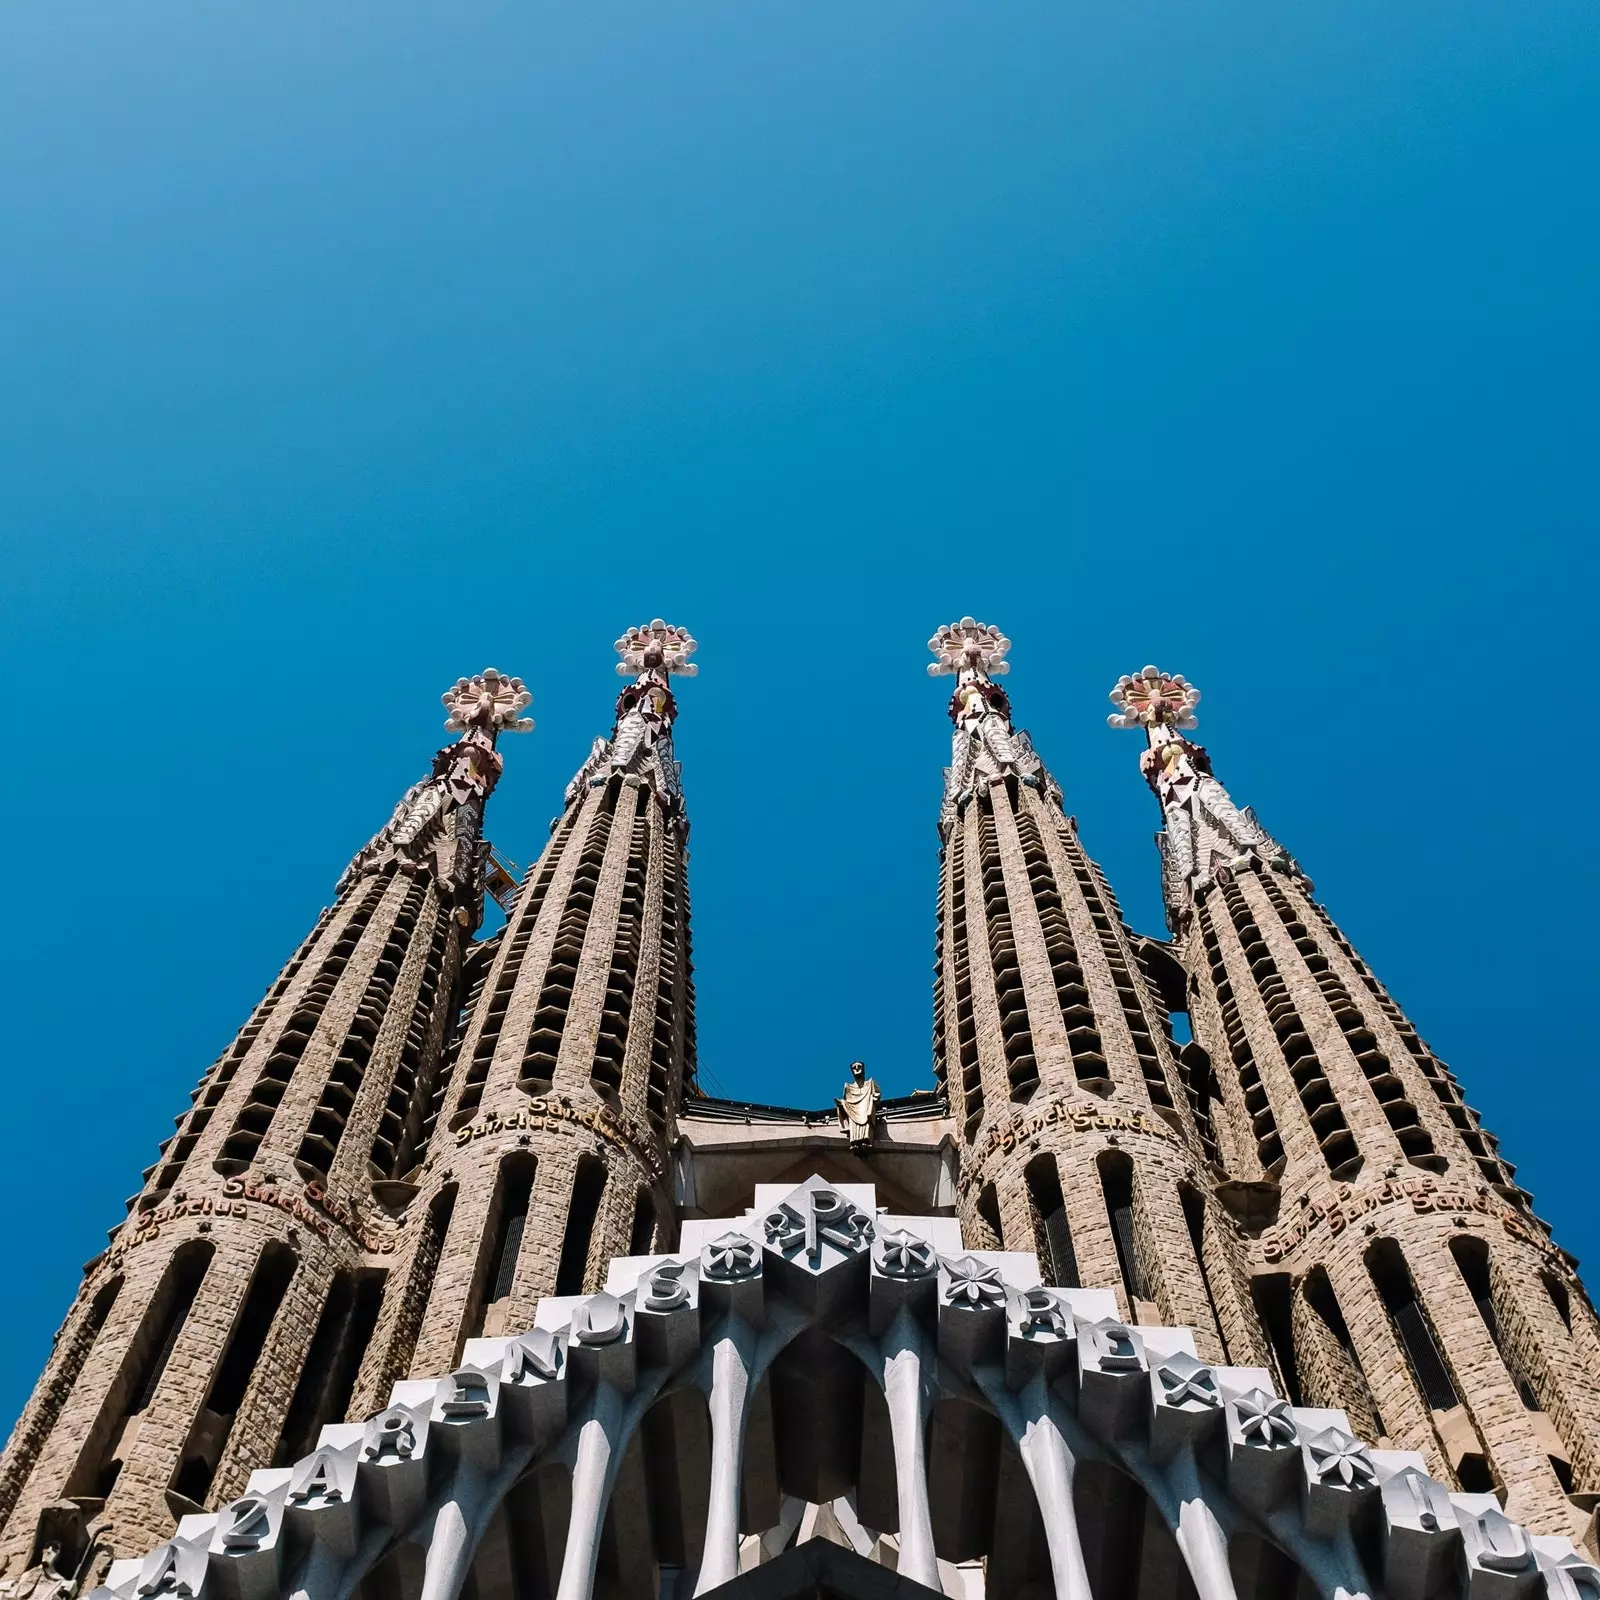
(1154,699)
(488,701)
(969,646)
(656,646)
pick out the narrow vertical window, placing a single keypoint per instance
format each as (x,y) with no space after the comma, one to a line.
(268,1285)
(1194,1217)
(101,1462)
(333,1360)
(510,1216)
(1472,1260)
(1399,1294)
(989,1216)
(1273,1298)
(1052,1238)
(1116,1183)
(1319,1296)
(644,1225)
(588,1189)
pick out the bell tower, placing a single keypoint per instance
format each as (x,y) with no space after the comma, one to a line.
(575,1047)
(1398,1266)
(260,1231)
(1078,1136)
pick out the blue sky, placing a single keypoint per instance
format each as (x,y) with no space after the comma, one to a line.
(349,347)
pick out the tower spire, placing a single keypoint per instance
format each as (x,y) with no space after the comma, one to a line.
(984,747)
(464,774)
(576,1043)
(266,1225)
(641,736)
(1074,1112)
(1206,834)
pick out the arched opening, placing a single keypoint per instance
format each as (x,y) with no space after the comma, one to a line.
(1471,1257)
(817,1398)
(675,1464)
(1052,1237)
(519,1557)
(1018,1562)
(328,1377)
(1350,1391)
(989,1217)
(1127,1548)
(643,1233)
(1261,1571)
(508,1220)
(1116,1183)
(269,1285)
(1392,1279)
(1273,1298)
(588,1190)
(1194,1219)
(116,1430)
(963,1467)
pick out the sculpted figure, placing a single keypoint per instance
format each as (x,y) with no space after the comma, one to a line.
(857,1108)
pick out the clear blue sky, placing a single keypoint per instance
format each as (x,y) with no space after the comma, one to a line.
(347,347)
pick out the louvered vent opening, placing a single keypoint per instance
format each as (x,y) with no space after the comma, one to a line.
(529,903)
(611,1042)
(1498,1173)
(1107,918)
(1022,1069)
(1401,1114)
(672,992)
(321,1141)
(208,1095)
(1263,1124)
(251,1125)
(961,971)
(400,1126)
(476,967)
(550,1015)
(1077,1015)
(1322,1108)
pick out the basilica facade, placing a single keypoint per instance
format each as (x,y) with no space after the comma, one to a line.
(450,1280)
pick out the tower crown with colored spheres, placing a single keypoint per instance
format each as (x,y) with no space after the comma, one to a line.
(1206,835)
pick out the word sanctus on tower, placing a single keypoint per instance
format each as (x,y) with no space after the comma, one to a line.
(451,1284)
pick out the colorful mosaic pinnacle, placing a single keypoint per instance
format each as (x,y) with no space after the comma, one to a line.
(1154,699)
(487,701)
(656,646)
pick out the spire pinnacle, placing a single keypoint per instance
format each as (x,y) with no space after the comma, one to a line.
(641,737)
(1206,835)
(985,749)
(488,701)
(480,709)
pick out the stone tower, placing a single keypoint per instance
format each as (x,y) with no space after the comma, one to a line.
(576,1043)
(1397,1267)
(228,1319)
(1079,1135)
